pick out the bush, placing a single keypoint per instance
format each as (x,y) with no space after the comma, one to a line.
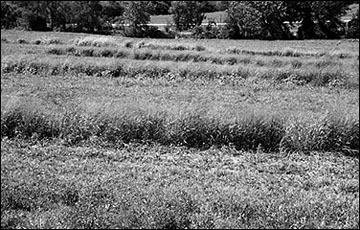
(22,41)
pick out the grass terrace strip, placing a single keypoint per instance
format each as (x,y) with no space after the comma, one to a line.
(127,68)
(170,47)
(192,129)
(188,57)
(288,53)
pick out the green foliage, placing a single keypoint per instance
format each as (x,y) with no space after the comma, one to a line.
(8,15)
(87,15)
(136,14)
(256,19)
(353,27)
(265,20)
(187,14)
(242,20)
(31,21)
(319,19)
(159,7)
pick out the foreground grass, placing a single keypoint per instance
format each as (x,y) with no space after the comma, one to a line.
(48,185)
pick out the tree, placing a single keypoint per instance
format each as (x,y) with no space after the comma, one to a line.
(272,17)
(353,26)
(30,15)
(222,5)
(242,20)
(136,15)
(37,14)
(87,15)
(111,10)
(257,19)
(56,13)
(8,15)
(319,19)
(187,14)
(159,7)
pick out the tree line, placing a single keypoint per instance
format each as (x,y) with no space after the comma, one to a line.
(245,19)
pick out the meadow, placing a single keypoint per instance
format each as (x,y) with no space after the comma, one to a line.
(114,132)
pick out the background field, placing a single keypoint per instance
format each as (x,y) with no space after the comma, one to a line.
(113,132)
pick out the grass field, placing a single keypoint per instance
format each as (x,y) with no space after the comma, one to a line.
(114,132)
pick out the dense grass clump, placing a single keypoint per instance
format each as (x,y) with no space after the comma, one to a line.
(26,122)
(95,41)
(325,134)
(172,47)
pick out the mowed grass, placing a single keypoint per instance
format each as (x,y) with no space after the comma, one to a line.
(149,186)
(95,139)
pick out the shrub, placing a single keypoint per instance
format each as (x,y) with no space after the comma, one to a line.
(50,41)
(56,51)
(22,41)
(128,44)
(37,42)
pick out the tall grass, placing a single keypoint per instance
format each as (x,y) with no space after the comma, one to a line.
(166,70)
(191,129)
(288,52)
(188,57)
(99,41)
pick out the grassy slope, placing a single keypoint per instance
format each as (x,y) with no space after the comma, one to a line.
(54,184)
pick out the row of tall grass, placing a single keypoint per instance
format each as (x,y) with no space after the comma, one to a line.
(106,41)
(190,128)
(166,70)
(288,53)
(187,57)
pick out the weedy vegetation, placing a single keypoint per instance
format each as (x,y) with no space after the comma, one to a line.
(111,132)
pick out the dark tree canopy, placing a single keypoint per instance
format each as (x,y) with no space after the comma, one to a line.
(245,19)
(265,19)
(187,14)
